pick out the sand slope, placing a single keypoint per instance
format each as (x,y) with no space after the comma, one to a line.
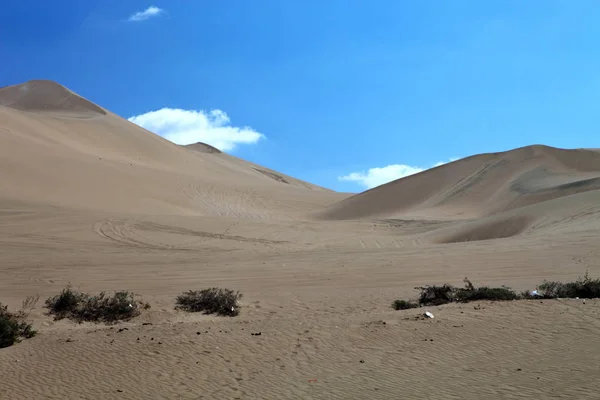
(57,148)
(47,97)
(480,185)
(88,198)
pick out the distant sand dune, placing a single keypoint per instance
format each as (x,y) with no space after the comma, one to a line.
(491,230)
(478,186)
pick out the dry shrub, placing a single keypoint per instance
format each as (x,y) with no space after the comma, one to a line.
(13,326)
(210,301)
(80,307)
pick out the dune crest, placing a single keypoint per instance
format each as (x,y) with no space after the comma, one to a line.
(54,150)
(204,148)
(48,97)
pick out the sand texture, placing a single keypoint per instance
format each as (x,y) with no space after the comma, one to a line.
(89,198)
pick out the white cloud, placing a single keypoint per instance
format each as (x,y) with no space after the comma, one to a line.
(149,12)
(378,176)
(189,126)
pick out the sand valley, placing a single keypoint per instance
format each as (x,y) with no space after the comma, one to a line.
(90,199)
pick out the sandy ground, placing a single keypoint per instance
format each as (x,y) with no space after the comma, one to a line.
(90,199)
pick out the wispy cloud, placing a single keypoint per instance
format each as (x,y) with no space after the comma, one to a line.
(149,12)
(190,126)
(380,175)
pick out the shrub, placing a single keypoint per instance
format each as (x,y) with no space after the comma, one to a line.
(13,326)
(404,305)
(213,300)
(471,293)
(121,306)
(444,294)
(552,290)
(66,303)
(527,295)
(486,293)
(80,307)
(436,295)
(584,287)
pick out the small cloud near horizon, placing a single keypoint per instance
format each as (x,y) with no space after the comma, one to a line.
(149,12)
(381,175)
(190,126)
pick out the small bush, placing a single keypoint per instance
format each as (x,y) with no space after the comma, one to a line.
(436,295)
(526,295)
(486,293)
(404,305)
(80,307)
(214,300)
(444,294)
(584,288)
(66,303)
(13,326)
(121,306)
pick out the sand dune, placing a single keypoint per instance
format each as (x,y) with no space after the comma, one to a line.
(108,163)
(89,198)
(478,186)
(565,213)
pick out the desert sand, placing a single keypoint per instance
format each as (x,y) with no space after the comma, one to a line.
(89,198)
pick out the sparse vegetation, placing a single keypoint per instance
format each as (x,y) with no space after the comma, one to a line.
(486,293)
(210,301)
(404,305)
(443,294)
(583,288)
(13,326)
(80,307)
(436,295)
(65,303)
(471,293)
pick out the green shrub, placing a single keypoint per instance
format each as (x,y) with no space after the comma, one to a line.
(80,307)
(404,305)
(13,326)
(210,301)
(66,303)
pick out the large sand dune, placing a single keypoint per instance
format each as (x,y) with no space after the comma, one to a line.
(480,185)
(89,198)
(61,157)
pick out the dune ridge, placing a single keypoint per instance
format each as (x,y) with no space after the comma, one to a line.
(109,163)
(48,97)
(478,186)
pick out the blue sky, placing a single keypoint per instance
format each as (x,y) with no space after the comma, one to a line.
(322,89)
